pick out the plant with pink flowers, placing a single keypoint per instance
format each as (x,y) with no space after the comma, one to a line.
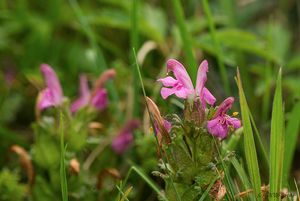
(189,146)
(83,125)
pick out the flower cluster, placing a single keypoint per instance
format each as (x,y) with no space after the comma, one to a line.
(189,142)
(221,123)
(52,95)
(95,98)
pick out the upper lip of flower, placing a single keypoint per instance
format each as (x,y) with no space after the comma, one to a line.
(182,86)
(52,95)
(98,96)
(219,124)
(224,107)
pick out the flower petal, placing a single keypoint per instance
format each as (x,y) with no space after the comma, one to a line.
(104,77)
(84,97)
(180,73)
(99,100)
(236,123)
(224,106)
(183,93)
(208,97)
(167,125)
(168,81)
(201,77)
(125,137)
(122,142)
(216,128)
(166,92)
(45,99)
(52,83)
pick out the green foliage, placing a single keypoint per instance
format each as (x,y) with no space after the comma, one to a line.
(88,37)
(292,130)
(10,188)
(249,144)
(63,177)
(277,142)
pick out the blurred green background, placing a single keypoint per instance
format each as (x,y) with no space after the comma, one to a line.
(88,37)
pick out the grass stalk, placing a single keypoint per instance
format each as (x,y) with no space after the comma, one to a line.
(152,123)
(260,146)
(277,143)
(148,180)
(249,143)
(292,131)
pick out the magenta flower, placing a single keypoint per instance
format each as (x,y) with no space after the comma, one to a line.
(183,87)
(100,100)
(167,125)
(84,97)
(52,95)
(98,97)
(124,139)
(221,122)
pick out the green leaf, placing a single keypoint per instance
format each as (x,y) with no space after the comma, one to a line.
(242,174)
(277,143)
(292,131)
(249,144)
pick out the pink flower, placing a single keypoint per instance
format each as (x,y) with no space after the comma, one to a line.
(183,87)
(52,95)
(100,100)
(98,97)
(84,97)
(221,122)
(125,137)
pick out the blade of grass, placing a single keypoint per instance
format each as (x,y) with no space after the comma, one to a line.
(249,144)
(220,59)
(242,174)
(260,146)
(152,122)
(276,143)
(134,39)
(186,39)
(292,131)
(63,177)
(148,180)
(206,192)
(228,181)
(125,195)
